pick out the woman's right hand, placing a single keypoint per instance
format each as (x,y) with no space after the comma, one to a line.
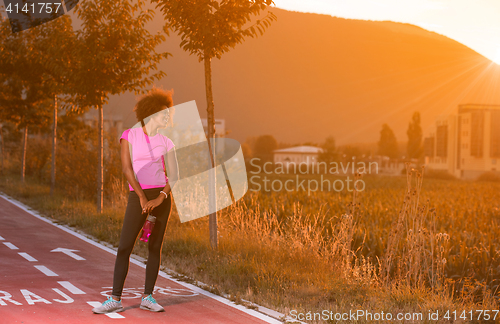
(144,201)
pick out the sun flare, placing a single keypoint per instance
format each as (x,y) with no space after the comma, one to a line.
(496,59)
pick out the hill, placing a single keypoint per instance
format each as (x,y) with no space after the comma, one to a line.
(311,76)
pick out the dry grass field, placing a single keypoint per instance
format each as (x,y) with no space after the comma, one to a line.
(403,245)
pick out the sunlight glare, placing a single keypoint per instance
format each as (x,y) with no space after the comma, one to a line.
(496,59)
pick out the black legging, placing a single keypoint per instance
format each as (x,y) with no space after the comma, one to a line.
(132,225)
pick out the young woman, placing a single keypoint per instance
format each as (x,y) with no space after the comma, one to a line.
(142,153)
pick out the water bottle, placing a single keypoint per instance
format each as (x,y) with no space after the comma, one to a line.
(148,228)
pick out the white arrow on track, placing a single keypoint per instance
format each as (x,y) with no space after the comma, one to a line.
(69,252)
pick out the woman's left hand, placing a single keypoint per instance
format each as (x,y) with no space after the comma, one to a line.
(152,204)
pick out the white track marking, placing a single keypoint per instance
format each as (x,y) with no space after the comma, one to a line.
(68,300)
(46,271)
(69,253)
(27,257)
(261,315)
(32,298)
(72,288)
(7,297)
(1,238)
(111,315)
(11,246)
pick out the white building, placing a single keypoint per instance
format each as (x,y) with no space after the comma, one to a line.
(465,144)
(108,122)
(387,166)
(220,127)
(220,131)
(297,154)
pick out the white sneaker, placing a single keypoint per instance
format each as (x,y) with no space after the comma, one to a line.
(109,306)
(149,303)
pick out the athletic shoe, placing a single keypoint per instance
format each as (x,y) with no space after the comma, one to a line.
(109,306)
(149,303)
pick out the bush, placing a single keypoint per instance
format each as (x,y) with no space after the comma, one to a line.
(76,170)
(38,154)
(489,176)
(77,158)
(438,174)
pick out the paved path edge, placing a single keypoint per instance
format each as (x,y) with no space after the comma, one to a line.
(261,312)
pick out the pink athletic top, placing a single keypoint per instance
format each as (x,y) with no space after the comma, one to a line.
(147,155)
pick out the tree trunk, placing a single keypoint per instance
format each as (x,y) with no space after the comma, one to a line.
(2,150)
(212,221)
(54,139)
(23,154)
(100,165)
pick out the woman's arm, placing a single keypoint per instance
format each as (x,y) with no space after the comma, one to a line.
(173,169)
(129,171)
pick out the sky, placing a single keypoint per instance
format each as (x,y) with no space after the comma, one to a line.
(474,23)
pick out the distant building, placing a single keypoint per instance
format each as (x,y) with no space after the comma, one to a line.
(297,154)
(108,122)
(220,127)
(220,131)
(465,144)
(387,166)
(90,119)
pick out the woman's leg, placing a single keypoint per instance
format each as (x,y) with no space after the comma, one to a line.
(132,224)
(162,213)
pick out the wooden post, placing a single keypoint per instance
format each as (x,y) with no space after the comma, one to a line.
(54,140)
(23,154)
(100,162)
(2,171)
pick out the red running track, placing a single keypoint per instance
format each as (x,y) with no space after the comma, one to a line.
(49,274)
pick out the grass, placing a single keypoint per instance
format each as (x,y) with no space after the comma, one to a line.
(382,250)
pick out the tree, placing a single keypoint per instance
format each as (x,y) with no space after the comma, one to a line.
(114,53)
(26,84)
(329,153)
(208,29)
(351,151)
(388,145)
(36,63)
(57,62)
(264,147)
(414,132)
(247,151)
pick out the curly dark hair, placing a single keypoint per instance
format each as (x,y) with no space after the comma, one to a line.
(153,102)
